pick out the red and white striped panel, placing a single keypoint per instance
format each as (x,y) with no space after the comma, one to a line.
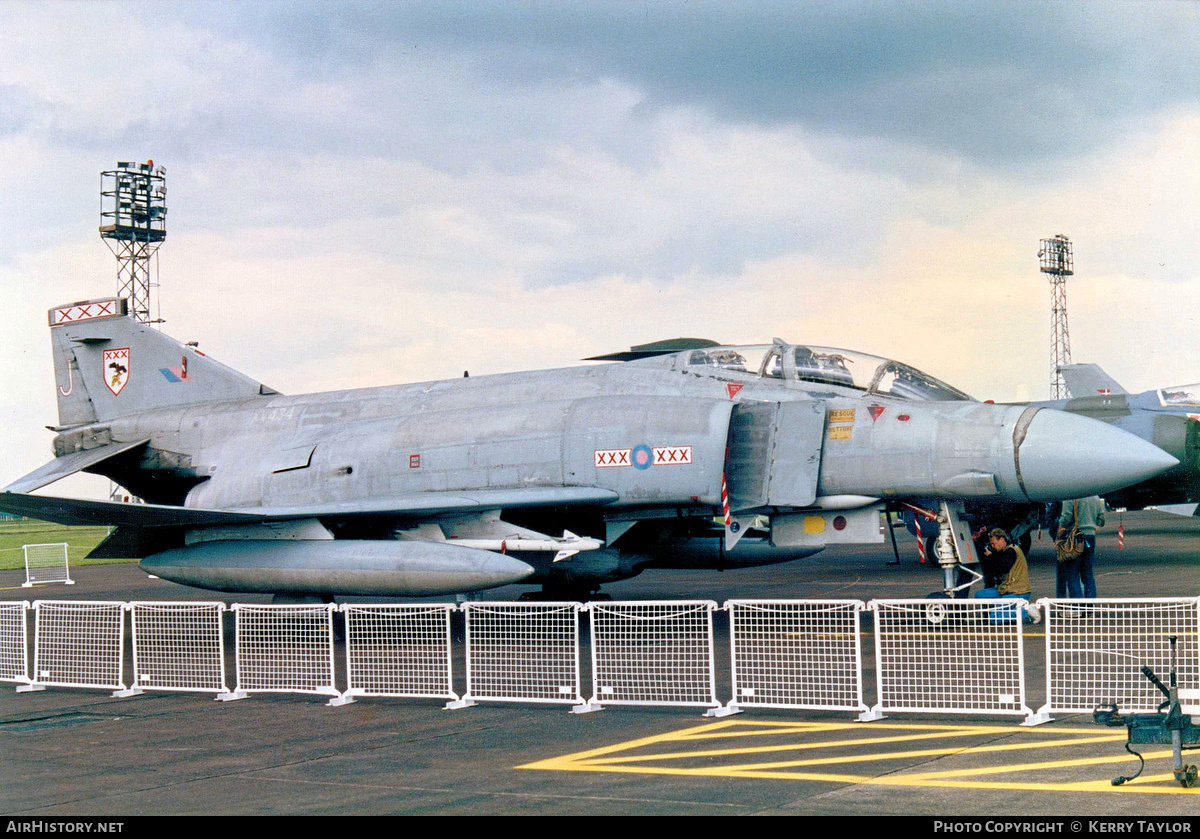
(85,311)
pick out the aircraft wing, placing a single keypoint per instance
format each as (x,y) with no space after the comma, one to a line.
(1088,380)
(75,511)
(1178,509)
(69,464)
(78,511)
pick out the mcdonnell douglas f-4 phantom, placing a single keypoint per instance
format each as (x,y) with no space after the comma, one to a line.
(569,478)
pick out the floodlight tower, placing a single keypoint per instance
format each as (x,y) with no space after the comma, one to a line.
(1056,259)
(133,223)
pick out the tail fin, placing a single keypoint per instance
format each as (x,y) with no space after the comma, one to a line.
(109,365)
(1088,380)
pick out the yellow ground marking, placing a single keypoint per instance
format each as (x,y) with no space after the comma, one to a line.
(718,746)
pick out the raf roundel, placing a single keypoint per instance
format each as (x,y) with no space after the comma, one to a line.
(643,457)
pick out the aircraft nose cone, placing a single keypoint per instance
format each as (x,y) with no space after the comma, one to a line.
(1068,456)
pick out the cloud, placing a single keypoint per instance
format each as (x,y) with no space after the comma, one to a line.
(982,82)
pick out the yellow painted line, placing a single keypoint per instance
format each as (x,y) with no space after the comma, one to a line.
(648,754)
(1032,767)
(935,778)
(946,750)
(833,759)
(732,728)
(1141,785)
(567,765)
(836,759)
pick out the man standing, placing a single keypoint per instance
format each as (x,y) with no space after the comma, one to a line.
(1077,578)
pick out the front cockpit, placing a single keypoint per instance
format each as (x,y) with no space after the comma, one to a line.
(848,369)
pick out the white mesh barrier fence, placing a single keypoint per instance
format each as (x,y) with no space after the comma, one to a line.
(523,652)
(796,654)
(46,564)
(285,649)
(934,656)
(399,650)
(1095,651)
(14,643)
(653,653)
(949,656)
(178,646)
(78,644)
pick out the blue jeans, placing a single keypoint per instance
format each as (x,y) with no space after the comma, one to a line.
(1086,560)
(1001,615)
(1075,578)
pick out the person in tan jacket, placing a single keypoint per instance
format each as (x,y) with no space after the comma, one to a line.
(1006,572)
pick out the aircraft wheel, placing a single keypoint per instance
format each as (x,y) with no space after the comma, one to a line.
(935,612)
(1026,542)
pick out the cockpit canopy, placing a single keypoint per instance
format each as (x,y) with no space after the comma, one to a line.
(826,366)
(1180,396)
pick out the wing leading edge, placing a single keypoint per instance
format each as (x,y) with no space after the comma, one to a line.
(75,511)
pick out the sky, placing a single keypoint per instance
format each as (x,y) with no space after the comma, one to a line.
(375,193)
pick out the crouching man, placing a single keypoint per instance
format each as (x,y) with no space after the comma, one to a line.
(1006,573)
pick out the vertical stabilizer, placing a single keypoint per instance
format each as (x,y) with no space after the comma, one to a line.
(106,364)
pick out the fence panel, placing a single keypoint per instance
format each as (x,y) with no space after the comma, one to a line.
(796,654)
(399,650)
(523,652)
(285,648)
(937,656)
(653,653)
(1095,650)
(14,643)
(46,564)
(950,656)
(179,647)
(79,644)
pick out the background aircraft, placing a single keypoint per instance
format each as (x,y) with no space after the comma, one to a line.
(1169,417)
(568,478)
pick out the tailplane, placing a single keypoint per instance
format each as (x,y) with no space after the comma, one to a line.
(106,364)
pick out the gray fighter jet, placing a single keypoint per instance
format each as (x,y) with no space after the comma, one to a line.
(1169,417)
(569,478)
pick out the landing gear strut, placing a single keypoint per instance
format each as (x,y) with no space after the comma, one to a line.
(953,549)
